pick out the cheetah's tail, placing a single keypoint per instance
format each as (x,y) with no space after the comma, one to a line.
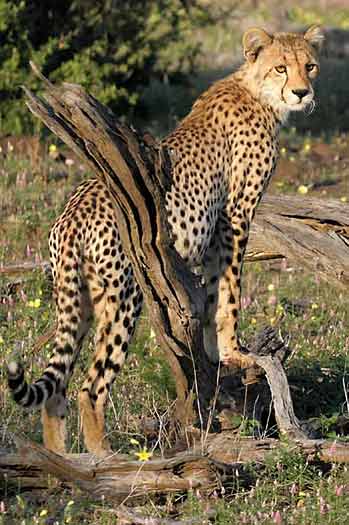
(54,379)
(32,396)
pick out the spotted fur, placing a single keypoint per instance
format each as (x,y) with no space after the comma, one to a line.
(226,150)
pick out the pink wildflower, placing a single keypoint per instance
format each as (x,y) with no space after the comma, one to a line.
(339,490)
(324,507)
(276,517)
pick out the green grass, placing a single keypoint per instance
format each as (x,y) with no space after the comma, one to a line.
(287,489)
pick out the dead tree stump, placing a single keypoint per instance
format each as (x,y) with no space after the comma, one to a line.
(138,173)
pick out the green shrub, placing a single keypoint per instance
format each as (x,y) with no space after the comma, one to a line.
(112,47)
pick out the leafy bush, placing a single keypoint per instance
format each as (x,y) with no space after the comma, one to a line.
(112,47)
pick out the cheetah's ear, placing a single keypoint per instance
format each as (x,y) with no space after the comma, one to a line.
(315,36)
(253,41)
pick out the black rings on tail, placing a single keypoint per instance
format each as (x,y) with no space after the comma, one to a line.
(30,396)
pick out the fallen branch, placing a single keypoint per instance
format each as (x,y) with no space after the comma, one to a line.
(22,267)
(285,417)
(119,477)
(313,233)
(309,232)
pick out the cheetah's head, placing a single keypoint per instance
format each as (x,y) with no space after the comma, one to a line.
(283,66)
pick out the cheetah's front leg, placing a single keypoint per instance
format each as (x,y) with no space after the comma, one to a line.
(224,291)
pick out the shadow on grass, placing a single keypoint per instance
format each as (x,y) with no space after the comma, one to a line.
(319,392)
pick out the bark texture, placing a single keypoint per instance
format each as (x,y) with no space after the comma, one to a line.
(312,233)
(207,466)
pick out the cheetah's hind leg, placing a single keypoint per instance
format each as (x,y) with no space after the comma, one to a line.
(117,303)
(53,413)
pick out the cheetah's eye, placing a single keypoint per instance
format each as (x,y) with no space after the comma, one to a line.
(280,69)
(310,67)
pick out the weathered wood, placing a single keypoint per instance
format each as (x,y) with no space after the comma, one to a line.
(116,477)
(285,417)
(22,267)
(270,351)
(313,233)
(138,174)
(226,448)
(206,466)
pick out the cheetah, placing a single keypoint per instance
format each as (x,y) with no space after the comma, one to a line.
(225,153)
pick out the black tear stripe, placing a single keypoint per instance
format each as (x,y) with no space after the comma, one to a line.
(283,87)
(267,73)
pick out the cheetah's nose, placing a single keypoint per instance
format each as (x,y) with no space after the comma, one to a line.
(300,92)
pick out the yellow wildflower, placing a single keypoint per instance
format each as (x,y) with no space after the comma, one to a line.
(35,304)
(279,309)
(143,455)
(302,189)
